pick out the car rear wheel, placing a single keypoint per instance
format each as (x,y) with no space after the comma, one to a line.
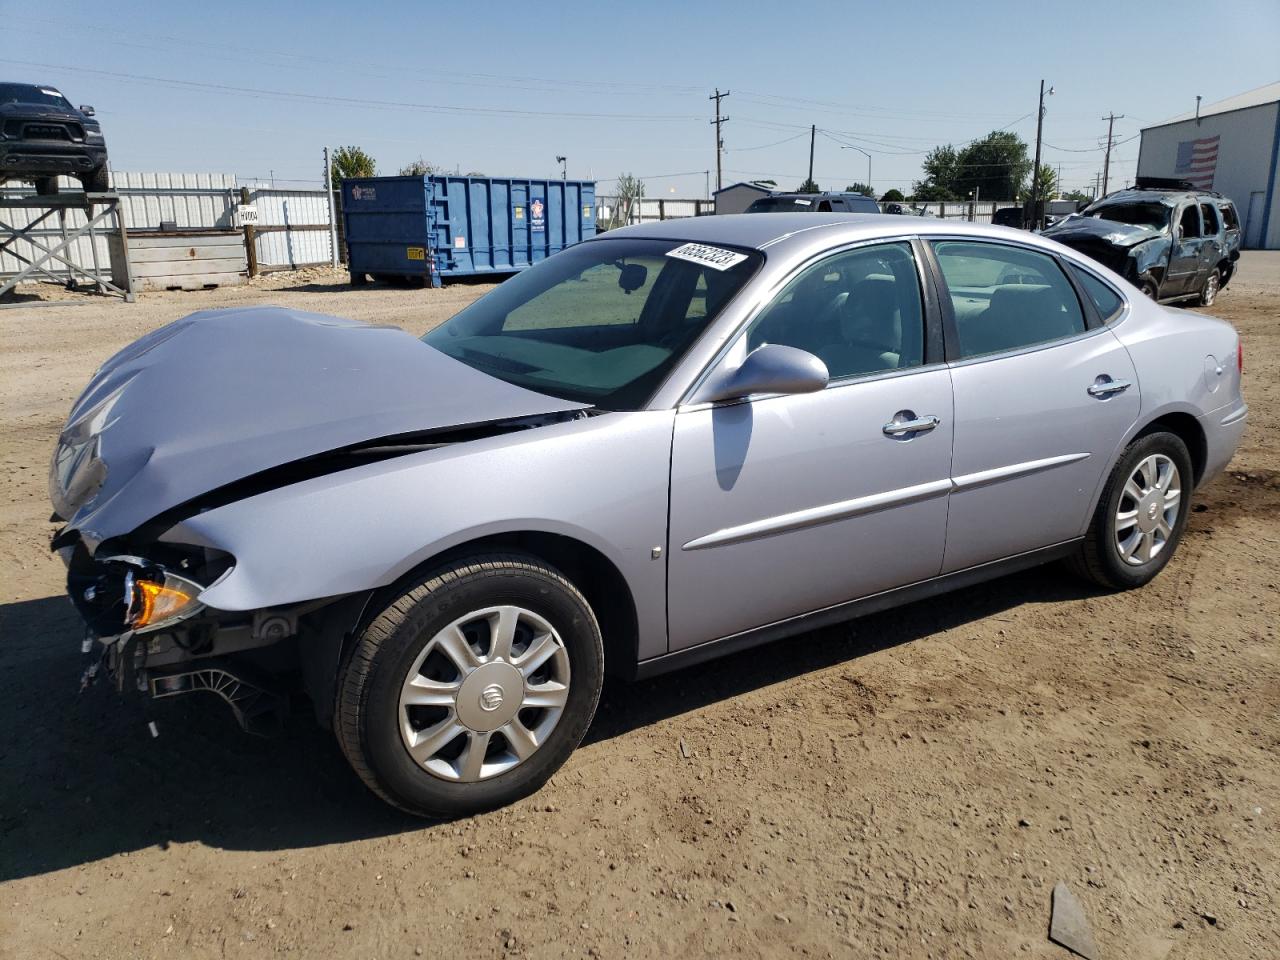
(1209,292)
(1141,515)
(472,688)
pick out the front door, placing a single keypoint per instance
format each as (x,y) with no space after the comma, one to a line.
(1042,402)
(783,505)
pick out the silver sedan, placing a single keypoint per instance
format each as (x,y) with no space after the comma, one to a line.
(670,442)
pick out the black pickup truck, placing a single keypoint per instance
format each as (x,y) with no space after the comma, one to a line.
(42,137)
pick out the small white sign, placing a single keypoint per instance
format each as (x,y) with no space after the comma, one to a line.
(246,213)
(717,258)
(459,243)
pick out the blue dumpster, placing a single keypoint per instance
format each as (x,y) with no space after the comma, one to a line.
(433,228)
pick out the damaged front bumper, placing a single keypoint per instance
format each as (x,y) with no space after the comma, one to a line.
(163,652)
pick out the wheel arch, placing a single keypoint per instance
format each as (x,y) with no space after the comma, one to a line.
(1185,427)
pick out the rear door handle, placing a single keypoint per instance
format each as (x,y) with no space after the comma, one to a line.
(905,424)
(1105,387)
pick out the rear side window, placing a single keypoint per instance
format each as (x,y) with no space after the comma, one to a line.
(1104,298)
(1229,216)
(1210,215)
(1189,222)
(1004,298)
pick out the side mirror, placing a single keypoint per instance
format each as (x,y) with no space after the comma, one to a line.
(771,368)
(87,110)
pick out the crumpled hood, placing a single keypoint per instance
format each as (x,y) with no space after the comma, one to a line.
(1108,231)
(224,394)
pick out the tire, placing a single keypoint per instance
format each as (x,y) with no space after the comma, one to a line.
(1149,288)
(95,181)
(1101,557)
(413,641)
(47,186)
(1212,286)
(359,279)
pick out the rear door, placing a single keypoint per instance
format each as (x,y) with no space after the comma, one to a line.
(1185,269)
(1044,393)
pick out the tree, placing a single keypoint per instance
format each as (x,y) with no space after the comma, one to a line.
(420,168)
(996,167)
(1077,195)
(892,196)
(349,162)
(809,186)
(863,188)
(1046,184)
(630,193)
(931,191)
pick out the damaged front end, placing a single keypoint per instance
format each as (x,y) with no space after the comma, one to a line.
(1137,253)
(223,407)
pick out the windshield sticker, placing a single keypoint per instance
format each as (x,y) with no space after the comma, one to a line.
(714,257)
(804,203)
(50,93)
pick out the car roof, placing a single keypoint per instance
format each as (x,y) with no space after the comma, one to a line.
(779,230)
(1160,196)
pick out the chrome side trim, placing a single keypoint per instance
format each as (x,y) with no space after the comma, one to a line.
(844,509)
(814,516)
(1235,416)
(983,477)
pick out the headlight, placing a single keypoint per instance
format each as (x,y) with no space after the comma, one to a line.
(158,597)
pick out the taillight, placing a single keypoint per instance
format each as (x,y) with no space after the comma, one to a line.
(1240,356)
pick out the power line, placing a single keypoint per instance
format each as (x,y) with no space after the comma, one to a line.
(349,101)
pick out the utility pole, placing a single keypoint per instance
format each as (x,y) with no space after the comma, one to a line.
(333,218)
(717,97)
(1111,119)
(564,167)
(1097,179)
(813,132)
(1035,170)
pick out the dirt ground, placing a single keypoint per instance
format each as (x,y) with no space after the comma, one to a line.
(909,785)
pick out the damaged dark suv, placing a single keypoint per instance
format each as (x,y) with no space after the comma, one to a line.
(43,137)
(1170,241)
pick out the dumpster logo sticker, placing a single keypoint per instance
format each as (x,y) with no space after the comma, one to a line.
(519,213)
(537,215)
(415,253)
(363,193)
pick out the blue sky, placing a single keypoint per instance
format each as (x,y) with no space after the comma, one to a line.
(257,89)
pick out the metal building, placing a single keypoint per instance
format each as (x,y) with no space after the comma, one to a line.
(738,196)
(1233,147)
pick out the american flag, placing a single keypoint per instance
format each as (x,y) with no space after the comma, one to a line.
(1197,160)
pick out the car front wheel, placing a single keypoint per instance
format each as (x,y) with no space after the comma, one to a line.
(1141,515)
(472,688)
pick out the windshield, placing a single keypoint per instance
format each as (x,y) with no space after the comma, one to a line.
(1138,214)
(781,205)
(600,323)
(22,93)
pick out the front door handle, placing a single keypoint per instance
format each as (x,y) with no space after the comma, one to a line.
(1105,387)
(905,425)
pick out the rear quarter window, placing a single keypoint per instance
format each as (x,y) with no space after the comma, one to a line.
(1108,302)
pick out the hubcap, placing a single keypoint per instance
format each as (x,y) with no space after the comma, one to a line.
(1148,510)
(484,694)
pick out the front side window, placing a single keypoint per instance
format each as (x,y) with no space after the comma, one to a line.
(600,323)
(1004,298)
(1104,298)
(858,311)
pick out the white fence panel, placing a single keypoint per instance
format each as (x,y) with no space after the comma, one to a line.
(304,215)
